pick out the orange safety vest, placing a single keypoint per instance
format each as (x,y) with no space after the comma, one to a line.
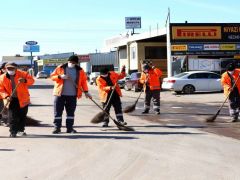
(104,89)
(226,81)
(22,89)
(81,81)
(153,77)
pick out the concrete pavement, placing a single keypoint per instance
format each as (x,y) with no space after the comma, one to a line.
(168,147)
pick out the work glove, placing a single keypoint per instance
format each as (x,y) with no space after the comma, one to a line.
(88,95)
(22,80)
(64,76)
(6,102)
(123,68)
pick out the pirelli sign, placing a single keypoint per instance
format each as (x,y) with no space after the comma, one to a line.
(205,32)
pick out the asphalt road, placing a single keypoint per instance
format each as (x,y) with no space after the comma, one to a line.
(177,144)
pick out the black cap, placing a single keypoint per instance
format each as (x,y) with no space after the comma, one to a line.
(104,71)
(73,58)
(11,64)
(145,67)
(3,65)
(230,67)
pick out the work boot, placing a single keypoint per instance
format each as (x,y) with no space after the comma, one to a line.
(123,123)
(157,112)
(21,133)
(235,119)
(56,130)
(13,135)
(105,124)
(146,111)
(71,130)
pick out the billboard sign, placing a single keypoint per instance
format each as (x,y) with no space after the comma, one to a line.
(205,32)
(31,43)
(31,48)
(132,22)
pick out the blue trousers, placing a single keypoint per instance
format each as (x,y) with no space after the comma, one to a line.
(70,103)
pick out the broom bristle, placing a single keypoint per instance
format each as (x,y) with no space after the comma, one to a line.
(129,109)
(32,122)
(211,119)
(98,118)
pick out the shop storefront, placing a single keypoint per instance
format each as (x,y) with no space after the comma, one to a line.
(204,46)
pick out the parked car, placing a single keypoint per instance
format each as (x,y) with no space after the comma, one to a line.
(133,82)
(93,76)
(122,82)
(42,74)
(193,81)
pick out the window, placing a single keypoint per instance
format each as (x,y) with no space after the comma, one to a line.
(133,53)
(214,76)
(123,54)
(198,76)
(156,52)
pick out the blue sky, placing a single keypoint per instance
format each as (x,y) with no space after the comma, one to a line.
(81,26)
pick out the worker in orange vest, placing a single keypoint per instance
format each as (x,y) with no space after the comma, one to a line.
(106,83)
(2,71)
(70,82)
(229,78)
(150,77)
(14,89)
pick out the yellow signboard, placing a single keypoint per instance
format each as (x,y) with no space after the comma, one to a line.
(227,47)
(196,32)
(180,47)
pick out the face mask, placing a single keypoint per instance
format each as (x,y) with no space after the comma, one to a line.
(71,65)
(104,75)
(11,73)
(231,72)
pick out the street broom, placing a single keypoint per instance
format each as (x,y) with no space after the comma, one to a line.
(212,118)
(118,124)
(99,117)
(132,108)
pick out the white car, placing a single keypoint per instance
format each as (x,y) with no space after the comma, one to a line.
(93,76)
(192,81)
(42,74)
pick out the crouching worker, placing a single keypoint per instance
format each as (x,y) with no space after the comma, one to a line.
(229,78)
(150,77)
(70,82)
(14,90)
(106,83)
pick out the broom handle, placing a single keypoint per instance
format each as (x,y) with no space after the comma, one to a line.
(110,97)
(229,93)
(144,85)
(10,98)
(93,100)
(103,109)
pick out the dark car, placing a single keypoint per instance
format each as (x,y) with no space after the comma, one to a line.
(133,82)
(122,82)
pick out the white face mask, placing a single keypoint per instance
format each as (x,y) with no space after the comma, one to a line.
(71,65)
(231,72)
(11,73)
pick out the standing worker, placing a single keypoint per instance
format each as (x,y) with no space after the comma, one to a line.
(107,82)
(229,78)
(3,120)
(14,89)
(150,77)
(70,82)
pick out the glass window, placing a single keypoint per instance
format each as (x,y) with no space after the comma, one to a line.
(180,75)
(214,76)
(156,52)
(198,76)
